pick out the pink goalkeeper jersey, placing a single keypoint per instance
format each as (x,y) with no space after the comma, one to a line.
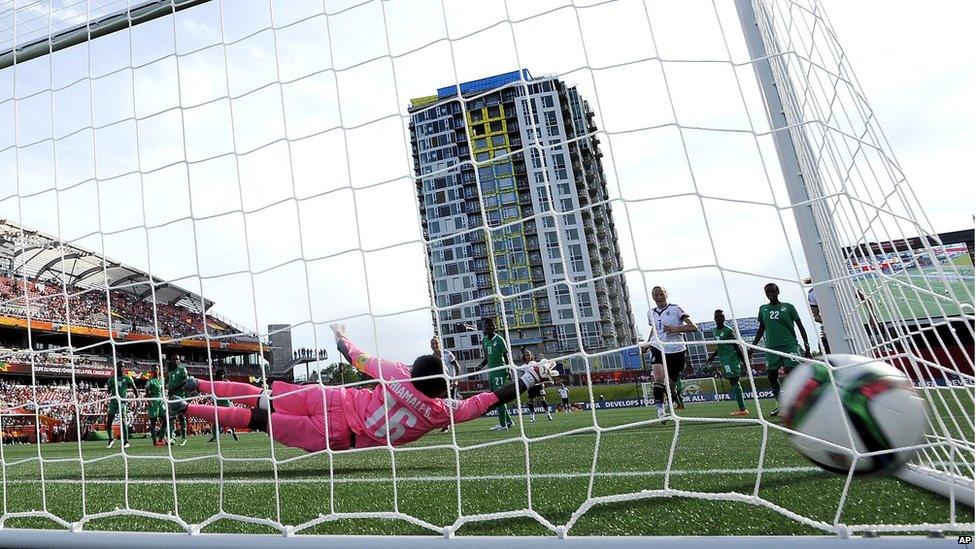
(408,414)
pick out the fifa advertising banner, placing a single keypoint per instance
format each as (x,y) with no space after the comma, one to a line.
(637,402)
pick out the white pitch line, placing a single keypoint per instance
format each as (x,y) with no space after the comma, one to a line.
(323,480)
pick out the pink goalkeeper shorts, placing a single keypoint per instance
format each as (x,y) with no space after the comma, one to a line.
(298,417)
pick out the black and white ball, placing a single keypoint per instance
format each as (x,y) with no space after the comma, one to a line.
(869,402)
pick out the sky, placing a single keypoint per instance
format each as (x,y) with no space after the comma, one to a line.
(282,189)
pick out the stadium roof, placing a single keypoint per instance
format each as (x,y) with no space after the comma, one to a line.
(43,257)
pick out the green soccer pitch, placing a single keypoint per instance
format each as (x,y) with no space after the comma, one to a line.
(911,302)
(713,458)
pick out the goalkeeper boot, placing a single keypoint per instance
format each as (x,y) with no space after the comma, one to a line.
(740,413)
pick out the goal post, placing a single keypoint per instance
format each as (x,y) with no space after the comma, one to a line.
(802,183)
(219,190)
(815,225)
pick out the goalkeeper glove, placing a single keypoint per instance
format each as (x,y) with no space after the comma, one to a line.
(535,373)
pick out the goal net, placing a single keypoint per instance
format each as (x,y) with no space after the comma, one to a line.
(205,186)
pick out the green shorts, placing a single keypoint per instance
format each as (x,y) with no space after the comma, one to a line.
(732,370)
(497,381)
(776,361)
(157,409)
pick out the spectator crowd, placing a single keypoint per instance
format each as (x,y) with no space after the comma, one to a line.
(91,307)
(303,352)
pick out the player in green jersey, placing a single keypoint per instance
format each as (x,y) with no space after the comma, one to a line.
(157,409)
(175,379)
(731,359)
(496,357)
(118,388)
(776,321)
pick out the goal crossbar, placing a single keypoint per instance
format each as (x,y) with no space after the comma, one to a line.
(135,15)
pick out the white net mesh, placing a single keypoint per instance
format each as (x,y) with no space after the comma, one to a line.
(401,167)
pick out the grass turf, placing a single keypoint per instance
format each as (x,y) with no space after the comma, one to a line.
(907,299)
(712,458)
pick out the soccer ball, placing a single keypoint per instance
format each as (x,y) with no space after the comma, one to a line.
(874,400)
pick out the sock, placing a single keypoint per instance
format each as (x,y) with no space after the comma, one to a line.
(773,377)
(737,395)
(230,389)
(232,416)
(658,394)
(503,418)
(676,397)
(259,420)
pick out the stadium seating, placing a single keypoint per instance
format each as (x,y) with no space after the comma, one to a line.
(92,308)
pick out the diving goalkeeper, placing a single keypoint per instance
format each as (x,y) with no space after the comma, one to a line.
(313,417)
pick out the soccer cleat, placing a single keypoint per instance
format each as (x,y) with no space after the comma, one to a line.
(550,418)
(680,406)
(214,439)
(111,443)
(662,414)
(740,413)
(531,420)
(183,443)
(126,445)
(499,428)
(235,435)
(774,412)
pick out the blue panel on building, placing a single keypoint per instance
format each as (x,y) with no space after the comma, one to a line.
(631,359)
(483,84)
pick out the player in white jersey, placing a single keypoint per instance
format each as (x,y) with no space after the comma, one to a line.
(669,323)
(537,396)
(451,366)
(564,396)
(451,369)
